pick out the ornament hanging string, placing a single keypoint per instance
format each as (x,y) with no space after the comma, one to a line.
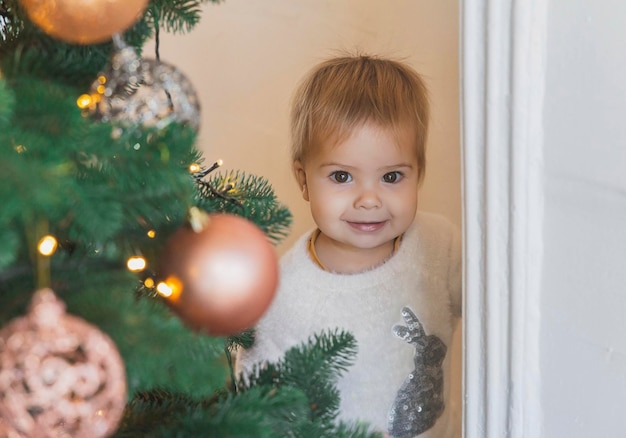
(157,39)
(157,55)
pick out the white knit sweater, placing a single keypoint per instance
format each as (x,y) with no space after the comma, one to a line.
(401,377)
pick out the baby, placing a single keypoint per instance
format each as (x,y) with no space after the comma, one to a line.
(374,265)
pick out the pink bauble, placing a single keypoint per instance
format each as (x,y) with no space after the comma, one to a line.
(59,375)
(222,277)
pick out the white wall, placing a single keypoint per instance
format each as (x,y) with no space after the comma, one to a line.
(583,304)
(544,182)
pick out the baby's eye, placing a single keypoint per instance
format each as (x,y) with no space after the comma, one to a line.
(392,177)
(340,176)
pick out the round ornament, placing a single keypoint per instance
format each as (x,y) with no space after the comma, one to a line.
(84,21)
(145,92)
(222,277)
(59,375)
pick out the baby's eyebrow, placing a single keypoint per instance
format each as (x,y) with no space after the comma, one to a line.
(397,166)
(336,164)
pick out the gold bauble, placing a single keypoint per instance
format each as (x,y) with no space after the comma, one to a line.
(84,21)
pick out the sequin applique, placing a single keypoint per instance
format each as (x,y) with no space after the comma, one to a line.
(419,401)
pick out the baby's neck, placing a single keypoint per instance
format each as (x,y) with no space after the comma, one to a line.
(343,259)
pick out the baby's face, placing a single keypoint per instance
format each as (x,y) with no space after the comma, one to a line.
(362,191)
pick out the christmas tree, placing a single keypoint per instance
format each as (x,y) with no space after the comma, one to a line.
(106,205)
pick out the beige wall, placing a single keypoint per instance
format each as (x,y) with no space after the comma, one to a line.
(246,57)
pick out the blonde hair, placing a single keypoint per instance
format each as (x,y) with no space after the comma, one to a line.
(345,92)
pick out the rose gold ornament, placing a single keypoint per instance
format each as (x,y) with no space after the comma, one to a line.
(84,21)
(59,375)
(221,278)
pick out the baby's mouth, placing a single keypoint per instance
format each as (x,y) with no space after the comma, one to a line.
(367,227)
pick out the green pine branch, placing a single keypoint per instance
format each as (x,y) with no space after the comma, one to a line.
(92,187)
(313,367)
(278,401)
(176,16)
(249,196)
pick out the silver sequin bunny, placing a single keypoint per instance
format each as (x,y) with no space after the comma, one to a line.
(419,401)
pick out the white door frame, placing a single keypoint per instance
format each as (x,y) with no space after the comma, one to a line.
(503,46)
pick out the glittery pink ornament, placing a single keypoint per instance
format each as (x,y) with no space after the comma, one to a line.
(59,375)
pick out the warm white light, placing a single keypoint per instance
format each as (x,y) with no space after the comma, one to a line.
(47,245)
(194,168)
(136,264)
(149,283)
(164,290)
(171,288)
(84,101)
(151,234)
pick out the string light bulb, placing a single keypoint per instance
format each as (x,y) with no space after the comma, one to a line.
(87,101)
(199,173)
(84,101)
(47,245)
(164,290)
(151,234)
(136,264)
(170,288)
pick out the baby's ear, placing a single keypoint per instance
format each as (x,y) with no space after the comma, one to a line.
(298,170)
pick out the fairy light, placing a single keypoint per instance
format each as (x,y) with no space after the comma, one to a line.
(136,264)
(20,149)
(84,101)
(149,282)
(164,289)
(171,288)
(151,234)
(87,101)
(199,173)
(47,245)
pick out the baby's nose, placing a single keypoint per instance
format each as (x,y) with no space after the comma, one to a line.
(367,198)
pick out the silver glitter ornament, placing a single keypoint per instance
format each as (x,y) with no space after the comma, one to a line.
(142,92)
